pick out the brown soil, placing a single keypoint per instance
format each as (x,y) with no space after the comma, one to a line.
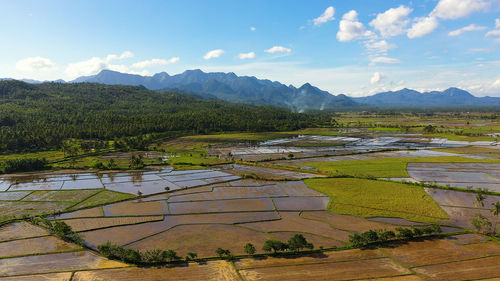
(487,248)
(203,239)
(316,240)
(462,270)
(210,271)
(95,223)
(346,222)
(325,271)
(291,221)
(92,212)
(65,276)
(31,246)
(325,257)
(419,253)
(136,208)
(467,238)
(55,263)
(20,230)
(301,203)
(237,205)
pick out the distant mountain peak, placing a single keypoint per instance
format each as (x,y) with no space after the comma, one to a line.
(450,97)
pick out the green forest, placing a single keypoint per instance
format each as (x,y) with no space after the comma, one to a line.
(35,117)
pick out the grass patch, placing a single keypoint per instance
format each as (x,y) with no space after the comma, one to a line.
(370,198)
(101,198)
(385,129)
(385,167)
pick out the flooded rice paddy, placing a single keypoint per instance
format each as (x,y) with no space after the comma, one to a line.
(231,205)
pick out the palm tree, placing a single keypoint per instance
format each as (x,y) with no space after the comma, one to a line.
(495,211)
(481,196)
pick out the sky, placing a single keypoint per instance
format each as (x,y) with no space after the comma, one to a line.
(354,47)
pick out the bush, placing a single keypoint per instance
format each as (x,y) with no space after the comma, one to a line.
(156,256)
(386,235)
(250,249)
(299,242)
(23,165)
(404,233)
(274,245)
(64,231)
(370,236)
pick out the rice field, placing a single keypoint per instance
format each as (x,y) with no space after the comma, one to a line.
(370,198)
(199,209)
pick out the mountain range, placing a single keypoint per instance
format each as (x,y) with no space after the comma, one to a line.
(249,89)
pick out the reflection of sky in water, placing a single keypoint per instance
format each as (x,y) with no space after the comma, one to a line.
(147,183)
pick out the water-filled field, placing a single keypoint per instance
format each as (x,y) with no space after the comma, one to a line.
(326,188)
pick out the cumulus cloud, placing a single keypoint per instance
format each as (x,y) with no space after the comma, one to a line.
(325,17)
(392,22)
(384,60)
(244,56)
(376,78)
(470,27)
(33,64)
(213,54)
(252,28)
(379,47)
(495,32)
(278,49)
(496,84)
(422,26)
(350,28)
(454,9)
(96,64)
(154,62)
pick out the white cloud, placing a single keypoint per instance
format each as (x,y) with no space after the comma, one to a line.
(154,62)
(470,27)
(496,84)
(497,23)
(249,55)
(96,64)
(376,78)
(384,60)
(379,47)
(278,49)
(252,28)
(213,54)
(422,27)
(495,32)
(124,55)
(33,64)
(326,16)
(392,22)
(350,28)
(454,9)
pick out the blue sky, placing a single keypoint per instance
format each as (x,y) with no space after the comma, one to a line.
(351,47)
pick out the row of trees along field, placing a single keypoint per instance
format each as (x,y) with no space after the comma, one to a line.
(41,116)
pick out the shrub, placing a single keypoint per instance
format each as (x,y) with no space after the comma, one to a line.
(250,249)
(274,245)
(387,235)
(23,165)
(404,233)
(299,242)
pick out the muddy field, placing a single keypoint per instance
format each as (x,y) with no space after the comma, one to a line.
(463,175)
(228,206)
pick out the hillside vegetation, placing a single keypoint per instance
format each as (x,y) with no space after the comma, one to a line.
(39,117)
